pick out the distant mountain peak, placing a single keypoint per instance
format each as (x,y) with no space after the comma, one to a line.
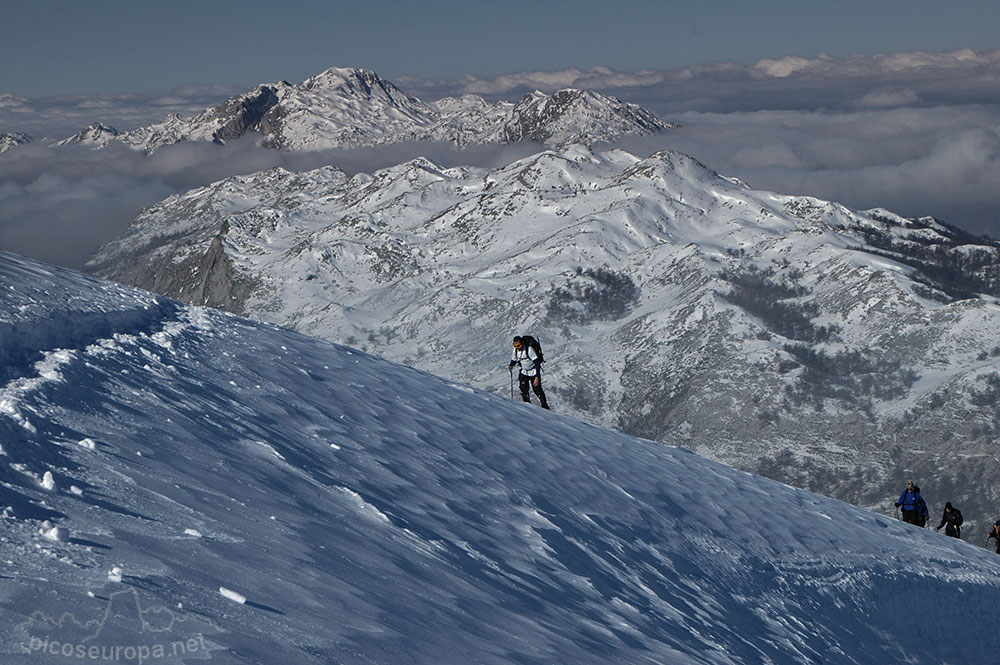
(364,82)
(97,134)
(345,107)
(10,140)
(572,115)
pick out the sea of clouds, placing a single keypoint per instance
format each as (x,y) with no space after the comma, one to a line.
(917,133)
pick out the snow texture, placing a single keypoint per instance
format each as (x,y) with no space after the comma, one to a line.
(373,513)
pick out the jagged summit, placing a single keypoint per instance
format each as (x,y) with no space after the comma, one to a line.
(97,134)
(10,140)
(362,82)
(572,115)
(343,107)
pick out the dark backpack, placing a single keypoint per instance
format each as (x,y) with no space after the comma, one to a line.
(958,517)
(531,342)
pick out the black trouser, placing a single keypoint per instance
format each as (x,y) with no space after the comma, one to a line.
(911,516)
(523,381)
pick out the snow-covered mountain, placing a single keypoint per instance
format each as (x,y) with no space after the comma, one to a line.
(9,140)
(356,107)
(96,135)
(181,485)
(836,350)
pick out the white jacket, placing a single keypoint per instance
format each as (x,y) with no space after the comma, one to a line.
(527,359)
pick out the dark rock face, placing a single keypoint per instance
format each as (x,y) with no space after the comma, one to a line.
(204,278)
(245,114)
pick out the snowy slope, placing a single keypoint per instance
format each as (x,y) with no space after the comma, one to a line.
(356,107)
(837,350)
(258,496)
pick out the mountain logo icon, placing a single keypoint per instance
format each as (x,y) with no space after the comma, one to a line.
(125,631)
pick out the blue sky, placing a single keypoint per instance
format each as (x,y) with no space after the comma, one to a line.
(71,47)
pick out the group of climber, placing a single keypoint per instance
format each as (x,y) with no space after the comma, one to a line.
(914,511)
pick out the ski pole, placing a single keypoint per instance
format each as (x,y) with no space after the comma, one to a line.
(511,369)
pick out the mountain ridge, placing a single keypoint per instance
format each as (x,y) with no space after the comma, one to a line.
(349,108)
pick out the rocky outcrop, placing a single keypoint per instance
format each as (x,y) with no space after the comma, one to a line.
(10,140)
(241,115)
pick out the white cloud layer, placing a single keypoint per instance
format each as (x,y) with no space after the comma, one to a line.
(942,161)
(918,133)
(965,76)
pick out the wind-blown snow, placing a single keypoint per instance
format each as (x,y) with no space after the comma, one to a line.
(368,512)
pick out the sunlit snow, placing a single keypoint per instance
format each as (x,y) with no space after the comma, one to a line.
(251,495)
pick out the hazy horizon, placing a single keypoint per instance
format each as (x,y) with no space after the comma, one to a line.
(916,133)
